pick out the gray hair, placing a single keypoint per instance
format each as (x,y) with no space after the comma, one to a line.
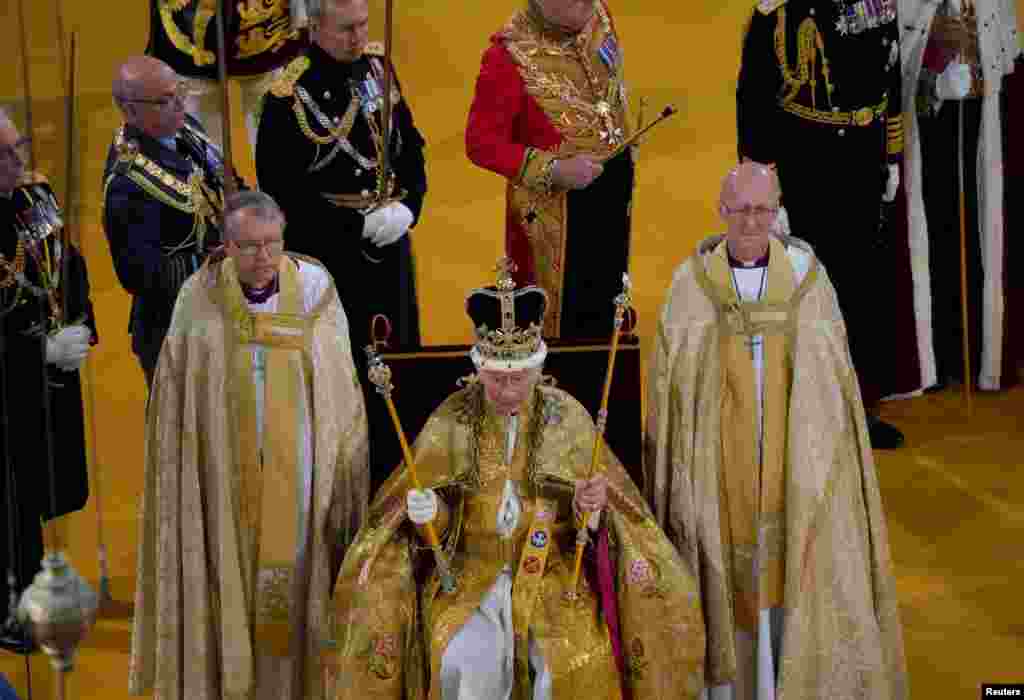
(315,8)
(5,116)
(258,204)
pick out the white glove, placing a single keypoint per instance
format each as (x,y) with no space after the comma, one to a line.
(892,184)
(782,223)
(954,83)
(421,505)
(68,348)
(373,221)
(397,225)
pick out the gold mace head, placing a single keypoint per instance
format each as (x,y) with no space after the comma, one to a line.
(378,372)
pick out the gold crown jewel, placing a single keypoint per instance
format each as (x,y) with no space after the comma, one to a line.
(508,341)
(516,344)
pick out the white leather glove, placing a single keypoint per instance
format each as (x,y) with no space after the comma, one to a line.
(782,223)
(421,505)
(68,348)
(397,225)
(954,83)
(373,221)
(892,184)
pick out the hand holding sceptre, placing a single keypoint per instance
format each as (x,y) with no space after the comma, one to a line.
(622,302)
(380,375)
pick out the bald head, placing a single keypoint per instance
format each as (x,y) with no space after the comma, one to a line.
(750,176)
(148,91)
(750,205)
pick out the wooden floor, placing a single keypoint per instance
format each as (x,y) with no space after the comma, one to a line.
(954,496)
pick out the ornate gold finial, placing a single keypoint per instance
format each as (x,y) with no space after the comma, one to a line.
(378,372)
(504,269)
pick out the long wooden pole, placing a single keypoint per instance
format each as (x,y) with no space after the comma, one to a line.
(384,167)
(964,312)
(583,523)
(230,186)
(380,375)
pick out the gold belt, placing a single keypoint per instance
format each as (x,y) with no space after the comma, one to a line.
(858,117)
(350,201)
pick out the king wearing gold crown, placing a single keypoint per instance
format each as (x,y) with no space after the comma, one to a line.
(500,469)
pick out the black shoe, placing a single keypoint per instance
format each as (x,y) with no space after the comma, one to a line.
(884,436)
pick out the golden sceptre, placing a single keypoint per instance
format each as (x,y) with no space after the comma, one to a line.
(622,302)
(380,375)
(635,138)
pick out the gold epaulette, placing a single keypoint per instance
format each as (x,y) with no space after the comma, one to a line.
(284,86)
(766,7)
(374,48)
(32,178)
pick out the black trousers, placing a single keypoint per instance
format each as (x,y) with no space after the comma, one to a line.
(940,166)
(597,251)
(832,186)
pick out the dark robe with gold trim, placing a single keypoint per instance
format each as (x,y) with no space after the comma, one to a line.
(260,36)
(21,407)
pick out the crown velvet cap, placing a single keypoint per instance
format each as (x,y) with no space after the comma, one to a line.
(507,325)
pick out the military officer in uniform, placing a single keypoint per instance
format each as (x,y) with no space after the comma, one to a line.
(549,111)
(819,96)
(44,291)
(163,194)
(318,155)
(261,36)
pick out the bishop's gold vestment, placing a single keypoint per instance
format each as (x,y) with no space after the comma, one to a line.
(256,480)
(808,517)
(395,624)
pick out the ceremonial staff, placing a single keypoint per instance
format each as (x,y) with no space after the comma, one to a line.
(380,375)
(384,167)
(230,185)
(964,314)
(59,606)
(623,302)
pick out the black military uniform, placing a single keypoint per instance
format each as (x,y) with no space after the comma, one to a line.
(819,96)
(162,215)
(316,155)
(32,212)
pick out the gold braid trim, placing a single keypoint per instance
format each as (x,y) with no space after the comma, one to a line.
(808,42)
(341,132)
(10,271)
(182,42)
(284,86)
(895,135)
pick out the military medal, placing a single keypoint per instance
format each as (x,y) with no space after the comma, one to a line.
(369,94)
(860,16)
(609,53)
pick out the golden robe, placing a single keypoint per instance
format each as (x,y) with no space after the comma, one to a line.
(841,633)
(197,632)
(394,629)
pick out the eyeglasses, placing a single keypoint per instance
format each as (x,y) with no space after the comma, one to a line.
(182,91)
(250,249)
(760,212)
(19,151)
